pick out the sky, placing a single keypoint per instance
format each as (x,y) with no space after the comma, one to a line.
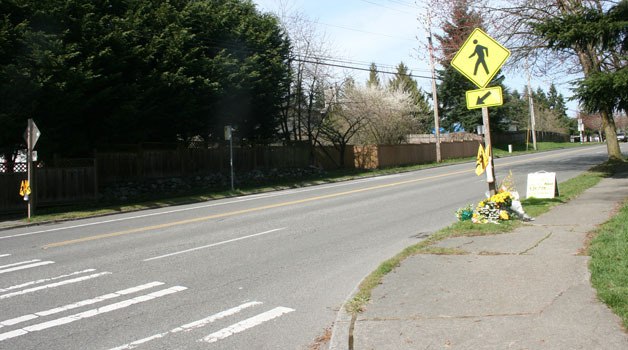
(385,32)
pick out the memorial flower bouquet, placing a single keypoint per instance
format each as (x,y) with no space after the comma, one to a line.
(493,209)
(502,206)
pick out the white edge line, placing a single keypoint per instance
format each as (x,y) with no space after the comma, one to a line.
(236,200)
(190,326)
(53,285)
(246,324)
(90,313)
(4,255)
(214,244)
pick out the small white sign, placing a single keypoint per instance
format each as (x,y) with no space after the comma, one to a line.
(228,132)
(542,185)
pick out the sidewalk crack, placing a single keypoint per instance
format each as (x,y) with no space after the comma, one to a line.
(536,244)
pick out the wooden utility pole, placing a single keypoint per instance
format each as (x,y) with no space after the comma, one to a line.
(490,170)
(428,26)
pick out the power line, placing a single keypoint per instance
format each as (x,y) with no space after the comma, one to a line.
(353,29)
(384,6)
(358,68)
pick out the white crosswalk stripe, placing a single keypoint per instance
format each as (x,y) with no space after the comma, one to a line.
(53,285)
(189,326)
(23,265)
(246,324)
(43,280)
(90,313)
(79,304)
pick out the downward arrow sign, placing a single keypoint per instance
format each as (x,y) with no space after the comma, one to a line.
(481,99)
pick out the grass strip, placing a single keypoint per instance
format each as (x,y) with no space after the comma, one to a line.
(609,264)
(568,190)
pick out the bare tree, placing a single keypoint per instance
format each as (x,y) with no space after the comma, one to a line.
(310,77)
(621,122)
(592,122)
(518,23)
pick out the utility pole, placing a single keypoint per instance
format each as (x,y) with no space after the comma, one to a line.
(531,106)
(490,170)
(428,26)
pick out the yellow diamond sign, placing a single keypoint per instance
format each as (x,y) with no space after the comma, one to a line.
(480,58)
(488,97)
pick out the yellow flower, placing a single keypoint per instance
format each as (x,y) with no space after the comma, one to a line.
(503,215)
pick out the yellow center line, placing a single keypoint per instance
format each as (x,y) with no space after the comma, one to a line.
(265,207)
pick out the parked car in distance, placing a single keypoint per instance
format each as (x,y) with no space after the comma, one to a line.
(621,137)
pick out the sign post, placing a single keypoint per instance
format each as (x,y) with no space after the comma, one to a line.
(479,59)
(229,136)
(31,135)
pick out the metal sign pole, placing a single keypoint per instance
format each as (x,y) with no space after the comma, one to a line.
(231,160)
(229,136)
(29,164)
(490,171)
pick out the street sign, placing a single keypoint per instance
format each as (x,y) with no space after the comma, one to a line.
(228,132)
(35,133)
(480,58)
(488,97)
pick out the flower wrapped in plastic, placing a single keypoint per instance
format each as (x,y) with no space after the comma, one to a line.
(466,213)
(493,209)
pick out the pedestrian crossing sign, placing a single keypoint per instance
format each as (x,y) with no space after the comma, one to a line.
(480,58)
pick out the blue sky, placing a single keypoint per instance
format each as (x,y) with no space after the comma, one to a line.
(384,32)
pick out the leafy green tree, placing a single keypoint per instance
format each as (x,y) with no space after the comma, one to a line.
(587,37)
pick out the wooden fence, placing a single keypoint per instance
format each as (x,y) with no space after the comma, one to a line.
(381,156)
(150,164)
(52,186)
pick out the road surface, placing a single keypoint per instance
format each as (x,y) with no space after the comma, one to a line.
(266,271)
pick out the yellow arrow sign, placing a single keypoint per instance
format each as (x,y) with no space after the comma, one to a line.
(480,58)
(488,97)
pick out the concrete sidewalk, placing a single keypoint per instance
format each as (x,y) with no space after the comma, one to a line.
(529,289)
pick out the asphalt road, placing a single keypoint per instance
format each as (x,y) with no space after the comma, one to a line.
(267,271)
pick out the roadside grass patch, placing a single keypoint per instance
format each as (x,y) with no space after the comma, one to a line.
(609,264)
(568,190)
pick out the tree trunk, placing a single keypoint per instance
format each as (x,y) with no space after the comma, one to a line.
(612,145)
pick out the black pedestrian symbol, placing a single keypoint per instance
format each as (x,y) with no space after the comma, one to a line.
(481,52)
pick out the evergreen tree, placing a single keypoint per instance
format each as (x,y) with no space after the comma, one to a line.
(403,81)
(96,73)
(373,76)
(556,102)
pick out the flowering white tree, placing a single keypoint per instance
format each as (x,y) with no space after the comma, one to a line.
(390,115)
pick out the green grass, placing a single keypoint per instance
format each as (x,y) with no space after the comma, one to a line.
(609,264)
(568,190)
(502,150)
